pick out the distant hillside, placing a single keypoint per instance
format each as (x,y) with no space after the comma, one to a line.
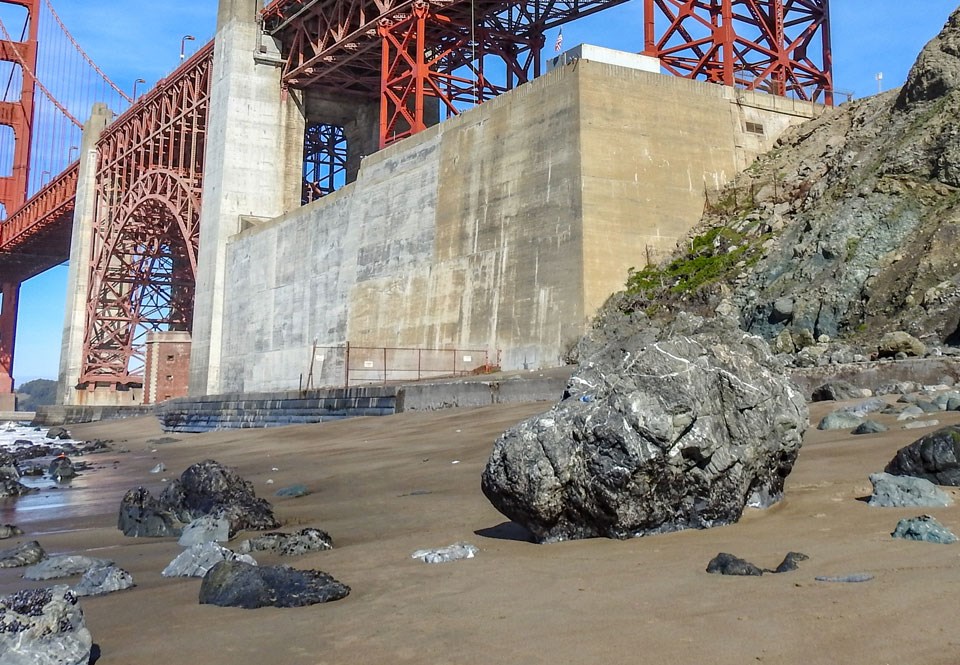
(39,392)
(849,228)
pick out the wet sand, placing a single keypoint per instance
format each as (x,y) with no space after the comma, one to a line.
(384,487)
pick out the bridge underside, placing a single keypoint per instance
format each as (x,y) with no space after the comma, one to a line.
(359,75)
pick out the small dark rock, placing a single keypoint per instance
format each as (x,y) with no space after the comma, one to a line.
(728,564)
(141,515)
(9,531)
(26,554)
(790,562)
(58,433)
(61,467)
(835,390)
(870,427)
(238,584)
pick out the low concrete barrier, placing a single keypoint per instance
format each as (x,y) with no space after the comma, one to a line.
(255,410)
(66,415)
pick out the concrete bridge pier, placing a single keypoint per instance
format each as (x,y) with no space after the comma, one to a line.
(81,247)
(10,294)
(252,171)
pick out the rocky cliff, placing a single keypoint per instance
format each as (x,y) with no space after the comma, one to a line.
(848,228)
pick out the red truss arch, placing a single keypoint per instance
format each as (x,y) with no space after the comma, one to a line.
(143,274)
(143,260)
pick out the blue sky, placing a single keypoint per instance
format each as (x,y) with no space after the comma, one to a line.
(141,39)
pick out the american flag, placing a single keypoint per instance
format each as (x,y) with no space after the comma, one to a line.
(559,43)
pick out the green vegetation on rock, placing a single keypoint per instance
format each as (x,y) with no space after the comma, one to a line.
(708,258)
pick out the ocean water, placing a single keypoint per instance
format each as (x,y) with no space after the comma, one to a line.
(65,498)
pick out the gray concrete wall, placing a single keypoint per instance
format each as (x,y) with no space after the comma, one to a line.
(504,228)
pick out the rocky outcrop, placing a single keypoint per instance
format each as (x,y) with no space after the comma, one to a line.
(43,627)
(934,457)
(847,229)
(660,430)
(237,584)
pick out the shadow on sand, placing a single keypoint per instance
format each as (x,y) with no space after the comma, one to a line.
(506,531)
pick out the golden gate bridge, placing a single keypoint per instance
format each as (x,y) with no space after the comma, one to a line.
(406,55)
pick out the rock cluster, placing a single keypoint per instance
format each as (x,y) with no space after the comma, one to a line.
(205,488)
(661,429)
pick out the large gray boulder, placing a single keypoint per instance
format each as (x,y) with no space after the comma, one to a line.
(43,627)
(891,491)
(663,430)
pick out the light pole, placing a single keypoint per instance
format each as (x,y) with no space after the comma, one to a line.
(70,152)
(143,81)
(879,82)
(183,41)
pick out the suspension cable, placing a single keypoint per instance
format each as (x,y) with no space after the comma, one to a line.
(32,75)
(83,53)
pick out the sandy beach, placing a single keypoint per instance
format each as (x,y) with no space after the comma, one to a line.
(384,487)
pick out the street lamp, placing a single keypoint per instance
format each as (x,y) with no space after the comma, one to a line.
(183,41)
(73,148)
(143,81)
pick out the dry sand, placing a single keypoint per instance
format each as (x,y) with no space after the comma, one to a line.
(384,487)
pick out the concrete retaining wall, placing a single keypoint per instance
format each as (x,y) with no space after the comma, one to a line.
(66,415)
(503,228)
(241,411)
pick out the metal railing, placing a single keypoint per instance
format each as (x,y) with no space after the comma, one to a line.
(349,365)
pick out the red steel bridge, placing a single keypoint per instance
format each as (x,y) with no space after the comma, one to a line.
(407,55)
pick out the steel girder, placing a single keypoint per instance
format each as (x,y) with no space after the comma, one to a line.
(324,160)
(146,226)
(777,46)
(377,48)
